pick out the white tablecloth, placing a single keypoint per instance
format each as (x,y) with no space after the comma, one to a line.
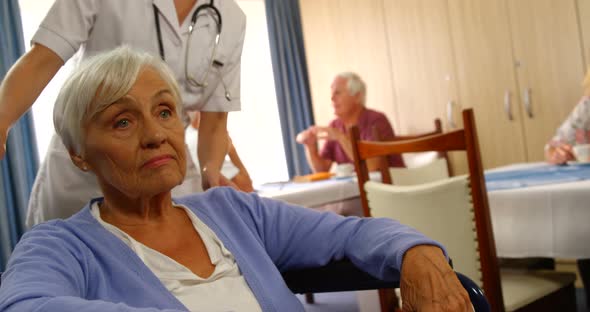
(340,196)
(542,221)
(550,220)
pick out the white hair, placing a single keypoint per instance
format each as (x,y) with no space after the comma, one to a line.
(355,85)
(96,84)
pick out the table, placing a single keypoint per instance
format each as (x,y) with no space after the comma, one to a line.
(544,220)
(339,195)
(547,220)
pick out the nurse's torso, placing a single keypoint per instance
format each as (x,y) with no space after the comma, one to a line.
(133,22)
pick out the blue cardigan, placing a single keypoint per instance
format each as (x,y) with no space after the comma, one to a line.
(77,265)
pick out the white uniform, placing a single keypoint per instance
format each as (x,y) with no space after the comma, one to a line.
(60,188)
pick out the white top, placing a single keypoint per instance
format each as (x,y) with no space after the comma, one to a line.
(225,290)
(61,189)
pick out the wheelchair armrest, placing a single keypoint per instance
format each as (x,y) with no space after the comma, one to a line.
(336,276)
(478,299)
(343,275)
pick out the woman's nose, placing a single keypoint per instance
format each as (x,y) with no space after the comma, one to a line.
(153,134)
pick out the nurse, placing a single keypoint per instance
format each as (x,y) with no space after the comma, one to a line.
(200,40)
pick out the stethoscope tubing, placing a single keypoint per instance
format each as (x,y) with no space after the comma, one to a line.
(218,21)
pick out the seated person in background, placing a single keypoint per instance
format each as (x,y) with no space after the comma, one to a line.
(574,130)
(138,249)
(348,100)
(233,168)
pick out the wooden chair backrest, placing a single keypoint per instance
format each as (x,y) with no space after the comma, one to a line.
(383,163)
(458,140)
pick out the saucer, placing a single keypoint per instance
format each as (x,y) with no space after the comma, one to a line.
(342,177)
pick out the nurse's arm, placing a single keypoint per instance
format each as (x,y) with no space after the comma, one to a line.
(213,143)
(22,85)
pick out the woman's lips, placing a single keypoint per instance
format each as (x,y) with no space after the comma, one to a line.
(158,161)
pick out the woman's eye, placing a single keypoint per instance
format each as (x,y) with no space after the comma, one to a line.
(122,124)
(165,114)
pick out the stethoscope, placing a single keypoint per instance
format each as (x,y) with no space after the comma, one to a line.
(203,83)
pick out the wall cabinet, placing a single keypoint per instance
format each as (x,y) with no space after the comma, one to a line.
(422,66)
(480,33)
(549,65)
(346,35)
(519,64)
(584,18)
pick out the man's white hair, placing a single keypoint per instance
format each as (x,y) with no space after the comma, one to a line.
(96,84)
(355,84)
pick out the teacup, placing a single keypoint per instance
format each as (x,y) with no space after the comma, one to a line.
(582,152)
(344,170)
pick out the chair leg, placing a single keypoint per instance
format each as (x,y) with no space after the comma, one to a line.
(584,268)
(309,298)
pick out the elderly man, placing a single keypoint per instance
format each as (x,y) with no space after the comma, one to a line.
(348,100)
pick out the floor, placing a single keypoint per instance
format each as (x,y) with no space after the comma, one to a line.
(346,302)
(332,302)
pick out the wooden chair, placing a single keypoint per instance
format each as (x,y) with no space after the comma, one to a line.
(437,169)
(470,245)
(406,176)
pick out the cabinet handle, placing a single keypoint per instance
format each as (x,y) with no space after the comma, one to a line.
(508,105)
(527,102)
(450,119)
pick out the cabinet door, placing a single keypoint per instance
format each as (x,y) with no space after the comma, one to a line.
(584,18)
(546,41)
(484,62)
(347,35)
(421,60)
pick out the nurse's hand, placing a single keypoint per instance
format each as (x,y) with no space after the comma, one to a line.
(213,178)
(429,284)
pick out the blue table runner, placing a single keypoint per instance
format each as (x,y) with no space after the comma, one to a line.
(548,174)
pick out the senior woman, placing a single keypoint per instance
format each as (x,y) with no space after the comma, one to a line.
(574,130)
(137,249)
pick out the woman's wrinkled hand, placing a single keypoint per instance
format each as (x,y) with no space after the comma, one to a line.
(428,283)
(560,154)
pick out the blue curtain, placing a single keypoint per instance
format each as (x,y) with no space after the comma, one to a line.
(20,163)
(291,82)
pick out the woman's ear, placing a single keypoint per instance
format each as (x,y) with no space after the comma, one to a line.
(79,161)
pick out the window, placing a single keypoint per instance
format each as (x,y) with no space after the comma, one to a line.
(255,130)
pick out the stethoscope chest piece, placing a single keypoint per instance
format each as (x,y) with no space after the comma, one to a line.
(213,63)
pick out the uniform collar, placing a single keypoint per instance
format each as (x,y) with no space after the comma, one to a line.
(168,15)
